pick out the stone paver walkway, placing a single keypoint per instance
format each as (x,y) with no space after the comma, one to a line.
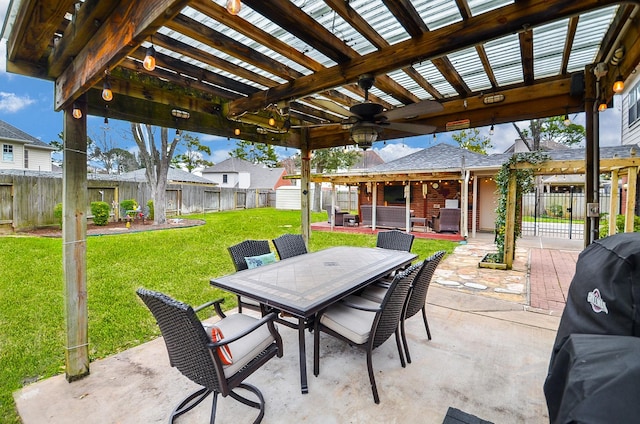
(539,279)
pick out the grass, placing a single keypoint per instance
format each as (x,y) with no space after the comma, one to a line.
(552,220)
(179,262)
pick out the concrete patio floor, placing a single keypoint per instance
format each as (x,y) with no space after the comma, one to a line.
(488,357)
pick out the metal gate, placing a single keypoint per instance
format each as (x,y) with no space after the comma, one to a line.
(558,215)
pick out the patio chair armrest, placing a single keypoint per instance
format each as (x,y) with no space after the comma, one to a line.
(216,305)
(267,319)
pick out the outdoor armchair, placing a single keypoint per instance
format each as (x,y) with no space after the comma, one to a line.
(289,245)
(395,240)
(448,220)
(364,323)
(416,301)
(239,254)
(219,364)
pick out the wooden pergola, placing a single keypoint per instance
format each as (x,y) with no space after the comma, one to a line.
(299,62)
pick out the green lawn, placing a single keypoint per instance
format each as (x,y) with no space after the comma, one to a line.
(179,262)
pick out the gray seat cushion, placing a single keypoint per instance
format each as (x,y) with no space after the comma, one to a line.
(354,324)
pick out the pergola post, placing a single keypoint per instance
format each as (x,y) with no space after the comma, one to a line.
(305,177)
(632,179)
(74,242)
(592,165)
(614,199)
(510,222)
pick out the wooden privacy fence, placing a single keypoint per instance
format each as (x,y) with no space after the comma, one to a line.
(28,199)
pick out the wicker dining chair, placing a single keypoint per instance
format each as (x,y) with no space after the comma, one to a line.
(365,323)
(251,342)
(289,245)
(395,240)
(416,301)
(239,252)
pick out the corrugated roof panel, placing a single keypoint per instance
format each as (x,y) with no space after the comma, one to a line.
(469,66)
(435,78)
(437,13)
(505,60)
(591,28)
(478,7)
(381,20)
(548,47)
(409,84)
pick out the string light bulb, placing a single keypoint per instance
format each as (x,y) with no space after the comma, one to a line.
(107,94)
(618,85)
(236,131)
(272,121)
(491,130)
(76,112)
(234,6)
(566,121)
(149,62)
(602,106)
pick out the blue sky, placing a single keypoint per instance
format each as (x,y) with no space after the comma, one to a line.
(27,103)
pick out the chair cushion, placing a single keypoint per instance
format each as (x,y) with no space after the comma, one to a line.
(374,293)
(246,348)
(256,261)
(223,351)
(354,324)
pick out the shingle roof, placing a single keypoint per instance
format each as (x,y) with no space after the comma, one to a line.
(261,176)
(174,175)
(8,131)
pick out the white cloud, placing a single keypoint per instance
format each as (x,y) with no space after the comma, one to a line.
(218,156)
(11,103)
(393,151)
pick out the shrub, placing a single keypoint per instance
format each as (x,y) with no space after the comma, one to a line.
(604,225)
(57,213)
(129,205)
(100,212)
(150,206)
(556,211)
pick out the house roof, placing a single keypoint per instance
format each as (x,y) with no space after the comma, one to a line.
(174,176)
(444,160)
(262,177)
(368,159)
(9,132)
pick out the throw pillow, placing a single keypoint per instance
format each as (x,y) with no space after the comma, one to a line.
(223,351)
(256,261)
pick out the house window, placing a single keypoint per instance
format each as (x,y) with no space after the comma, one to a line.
(26,159)
(7,153)
(634,104)
(225,179)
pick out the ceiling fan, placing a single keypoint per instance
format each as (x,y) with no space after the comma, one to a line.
(368,119)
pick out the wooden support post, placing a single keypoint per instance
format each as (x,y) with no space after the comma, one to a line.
(632,179)
(510,222)
(613,202)
(74,242)
(305,177)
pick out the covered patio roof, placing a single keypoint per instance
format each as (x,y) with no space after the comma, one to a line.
(485,62)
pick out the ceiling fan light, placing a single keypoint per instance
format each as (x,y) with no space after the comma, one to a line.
(364,136)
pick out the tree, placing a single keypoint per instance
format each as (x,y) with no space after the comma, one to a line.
(255,153)
(156,162)
(550,129)
(58,145)
(472,140)
(125,161)
(330,160)
(192,158)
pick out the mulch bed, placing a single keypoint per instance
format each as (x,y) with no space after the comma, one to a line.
(120,227)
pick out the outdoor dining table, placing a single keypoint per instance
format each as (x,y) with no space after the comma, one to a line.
(303,285)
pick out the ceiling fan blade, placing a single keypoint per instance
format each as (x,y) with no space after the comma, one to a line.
(409,111)
(333,107)
(412,128)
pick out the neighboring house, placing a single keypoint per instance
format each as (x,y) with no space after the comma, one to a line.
(631,110)
(239,173)
(22,151)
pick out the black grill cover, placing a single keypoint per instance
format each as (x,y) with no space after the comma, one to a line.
(595,379)
(604,299)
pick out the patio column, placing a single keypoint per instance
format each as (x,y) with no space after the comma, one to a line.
(74,242)
(474,213)
(592,161)
(407,196)
(374,205)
